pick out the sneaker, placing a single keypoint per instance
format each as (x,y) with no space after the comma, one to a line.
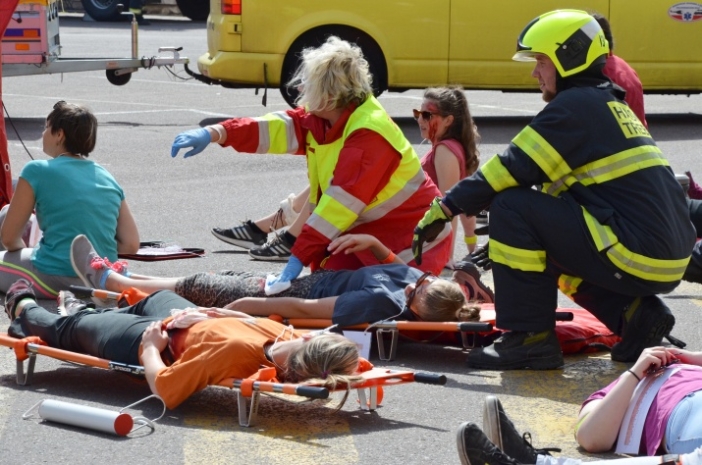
(482,217)
(481,257)
(246,236)
(467,276)
(474,448)
(277,250)
(646,321)
(68,304)
(90,268)
(20,289)
(517,350)
(500,430)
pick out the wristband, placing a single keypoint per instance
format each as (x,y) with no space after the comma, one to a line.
(389,259)
(635,375)
(470,240)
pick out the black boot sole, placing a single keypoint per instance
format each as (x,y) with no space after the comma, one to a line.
(550,362)
(660,324)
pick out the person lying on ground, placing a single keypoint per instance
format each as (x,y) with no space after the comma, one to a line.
(180,361)
(653,408)
(347,297)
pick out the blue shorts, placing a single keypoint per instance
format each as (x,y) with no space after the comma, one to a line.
(683,433)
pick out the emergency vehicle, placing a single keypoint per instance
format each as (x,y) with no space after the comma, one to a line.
(422,43)
(31,45)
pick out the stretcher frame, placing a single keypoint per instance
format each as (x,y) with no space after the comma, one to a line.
(390,330)
(248,390)
(386,330)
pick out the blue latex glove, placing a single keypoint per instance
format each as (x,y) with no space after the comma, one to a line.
(198,139)
(291,271)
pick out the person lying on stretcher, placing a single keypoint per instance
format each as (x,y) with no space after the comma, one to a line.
(184,354)
(348,298)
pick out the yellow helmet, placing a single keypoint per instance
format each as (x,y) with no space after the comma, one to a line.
(572,39)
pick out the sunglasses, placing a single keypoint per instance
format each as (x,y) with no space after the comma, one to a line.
(424,114)
(413,292)
(59,104)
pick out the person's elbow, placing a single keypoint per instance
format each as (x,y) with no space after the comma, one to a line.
(128,246)
(593,443)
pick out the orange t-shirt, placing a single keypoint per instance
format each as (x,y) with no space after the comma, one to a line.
(213,350)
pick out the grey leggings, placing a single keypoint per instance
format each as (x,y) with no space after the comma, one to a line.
(220,289)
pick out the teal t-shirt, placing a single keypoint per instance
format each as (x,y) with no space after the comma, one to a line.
(73,196)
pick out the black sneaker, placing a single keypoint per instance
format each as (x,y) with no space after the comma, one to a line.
(517,350)
(68,304)
(20,289)
(277,250)
(474,448)
(247,235)
(467,276)
(646,321)
(500,430)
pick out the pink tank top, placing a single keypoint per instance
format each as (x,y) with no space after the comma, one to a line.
(455,148)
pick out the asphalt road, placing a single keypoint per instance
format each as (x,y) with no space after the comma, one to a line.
(179,200)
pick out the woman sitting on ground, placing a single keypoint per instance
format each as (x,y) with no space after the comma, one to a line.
(71,195)
(180,360)
(346,297)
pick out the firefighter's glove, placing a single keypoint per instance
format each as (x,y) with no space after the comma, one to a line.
(428,228)
(481,257)
(198,139)
(275,285)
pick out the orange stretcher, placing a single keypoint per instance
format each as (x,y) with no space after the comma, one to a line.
(248,390)
(385,331)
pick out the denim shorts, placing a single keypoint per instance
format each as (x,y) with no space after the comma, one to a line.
(683,433)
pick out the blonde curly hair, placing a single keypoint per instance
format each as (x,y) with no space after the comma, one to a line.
(332,76)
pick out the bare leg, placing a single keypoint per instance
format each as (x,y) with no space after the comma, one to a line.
(117,283)
(296,228)
(276,220)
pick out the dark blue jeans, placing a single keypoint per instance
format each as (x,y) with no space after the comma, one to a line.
(113,334)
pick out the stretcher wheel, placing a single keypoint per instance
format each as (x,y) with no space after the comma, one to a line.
(117,79)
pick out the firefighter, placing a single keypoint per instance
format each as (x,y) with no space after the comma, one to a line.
(608,224)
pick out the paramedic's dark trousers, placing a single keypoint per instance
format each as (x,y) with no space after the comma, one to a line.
(112,334)
(526,300)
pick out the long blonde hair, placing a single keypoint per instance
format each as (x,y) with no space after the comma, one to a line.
(445,301)
(328,359)
(332,76)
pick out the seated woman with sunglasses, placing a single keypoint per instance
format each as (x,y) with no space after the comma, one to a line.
(347,297)
(444,120)
(71,195)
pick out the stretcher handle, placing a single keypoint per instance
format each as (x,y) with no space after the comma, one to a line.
(564,316)
(313,392)
(430,378)
(82,292)
(475,327)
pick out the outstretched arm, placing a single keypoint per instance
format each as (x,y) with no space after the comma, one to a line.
(599,421)
(287,307)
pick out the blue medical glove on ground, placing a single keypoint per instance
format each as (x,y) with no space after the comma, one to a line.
(428,228)
(276,285)
(198,139)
